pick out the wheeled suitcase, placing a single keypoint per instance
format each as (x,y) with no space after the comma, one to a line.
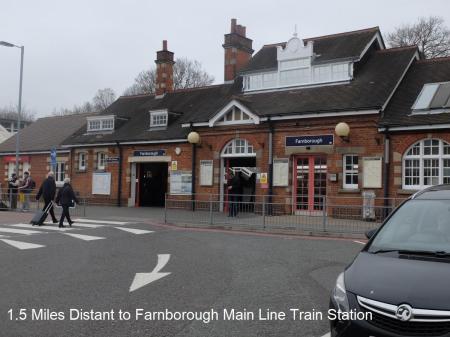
(40,216)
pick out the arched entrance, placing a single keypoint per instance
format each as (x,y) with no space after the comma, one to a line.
(238,155)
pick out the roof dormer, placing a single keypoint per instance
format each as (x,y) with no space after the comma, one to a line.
(100,123)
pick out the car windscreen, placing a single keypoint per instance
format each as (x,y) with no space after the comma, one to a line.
(416,225)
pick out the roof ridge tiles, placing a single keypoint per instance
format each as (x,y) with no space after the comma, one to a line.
(200,88)
(435,59)
(387,50)
(376,28)
(137,95)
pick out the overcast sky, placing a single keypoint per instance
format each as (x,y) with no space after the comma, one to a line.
(73,48)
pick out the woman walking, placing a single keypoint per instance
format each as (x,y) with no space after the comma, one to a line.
(66,198)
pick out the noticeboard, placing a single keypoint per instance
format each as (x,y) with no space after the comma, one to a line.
(101,183)
(181,182)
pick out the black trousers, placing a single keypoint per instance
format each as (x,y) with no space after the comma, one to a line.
(65,214)
(51,211)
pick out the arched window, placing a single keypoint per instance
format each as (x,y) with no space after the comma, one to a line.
(238,148)
(426,163)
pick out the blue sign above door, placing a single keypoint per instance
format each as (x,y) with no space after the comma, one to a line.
(310,140)
(149,153)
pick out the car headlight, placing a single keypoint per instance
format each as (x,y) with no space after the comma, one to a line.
(340,294)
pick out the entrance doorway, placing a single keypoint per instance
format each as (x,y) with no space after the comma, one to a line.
(152,184)
(238,156)
(310,183)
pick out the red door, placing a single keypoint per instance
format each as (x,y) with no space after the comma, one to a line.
(310,183)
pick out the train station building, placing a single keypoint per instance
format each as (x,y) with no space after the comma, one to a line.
(304,120)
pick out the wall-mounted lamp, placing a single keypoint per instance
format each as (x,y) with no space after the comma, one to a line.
(177,151)
(342,130)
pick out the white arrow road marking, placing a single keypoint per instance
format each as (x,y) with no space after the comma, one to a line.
(142,279)
(4,236)
(106,222)
(84,237)
(360,242)
(87,225)
(327,335)
(18,231)
(50,228)
(134,230)
(21,245)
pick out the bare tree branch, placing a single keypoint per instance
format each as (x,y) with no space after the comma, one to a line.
(430,34)
(186,74)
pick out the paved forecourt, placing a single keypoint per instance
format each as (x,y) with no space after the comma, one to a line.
(58,276)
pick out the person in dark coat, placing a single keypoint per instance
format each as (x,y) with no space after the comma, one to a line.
(47,191)
(66,198)
(13,186)
(234,193)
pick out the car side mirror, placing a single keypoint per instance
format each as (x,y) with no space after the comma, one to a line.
(370,233)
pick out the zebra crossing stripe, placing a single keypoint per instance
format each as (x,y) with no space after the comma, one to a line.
(86,225)
(134,230)
(22,245)
(44,228)
(18,231)
(106,222)
(84,237)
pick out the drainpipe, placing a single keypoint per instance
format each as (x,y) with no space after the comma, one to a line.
(387,154)
(119,188)
(271,132)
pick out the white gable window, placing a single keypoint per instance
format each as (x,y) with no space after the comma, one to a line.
(426,163)
(102,123)
(158,118)
(234,112)
(234,115)
(434,97)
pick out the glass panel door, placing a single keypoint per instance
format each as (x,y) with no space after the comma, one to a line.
(311,183)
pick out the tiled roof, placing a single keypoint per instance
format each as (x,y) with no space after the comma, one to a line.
(45,133)
(347,45)
(398,112)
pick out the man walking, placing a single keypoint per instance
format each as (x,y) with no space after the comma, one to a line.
(13,185)
(66,198)
(235,191)
(48,191)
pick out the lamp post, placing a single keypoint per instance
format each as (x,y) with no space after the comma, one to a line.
(194,139)
(19,112)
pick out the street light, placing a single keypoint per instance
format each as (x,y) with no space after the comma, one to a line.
(19,112)
(194,139)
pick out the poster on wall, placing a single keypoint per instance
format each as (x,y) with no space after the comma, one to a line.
(281,172)
(372,172)
(101,183)
(181,182)
(206,172)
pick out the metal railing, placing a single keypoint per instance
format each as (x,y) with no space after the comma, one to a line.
(26,202)
(350,215)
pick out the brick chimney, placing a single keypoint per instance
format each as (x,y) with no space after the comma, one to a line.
(238,50)
(164,70)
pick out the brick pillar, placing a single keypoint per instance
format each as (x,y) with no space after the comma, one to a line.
(238,50)
(164,70)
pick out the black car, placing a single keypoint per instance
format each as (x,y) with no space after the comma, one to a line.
(399,284)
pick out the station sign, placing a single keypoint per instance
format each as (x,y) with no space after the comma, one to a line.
(112,160)
(149,153)
(309,140)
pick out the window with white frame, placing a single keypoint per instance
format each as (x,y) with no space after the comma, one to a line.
(322,73)
(234,115)
(426,163)
(101,160)
(339,71)
(238,147)
(351,171)
(82,161)
(158,119)
(433,96)
(60,172)
(103,123)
